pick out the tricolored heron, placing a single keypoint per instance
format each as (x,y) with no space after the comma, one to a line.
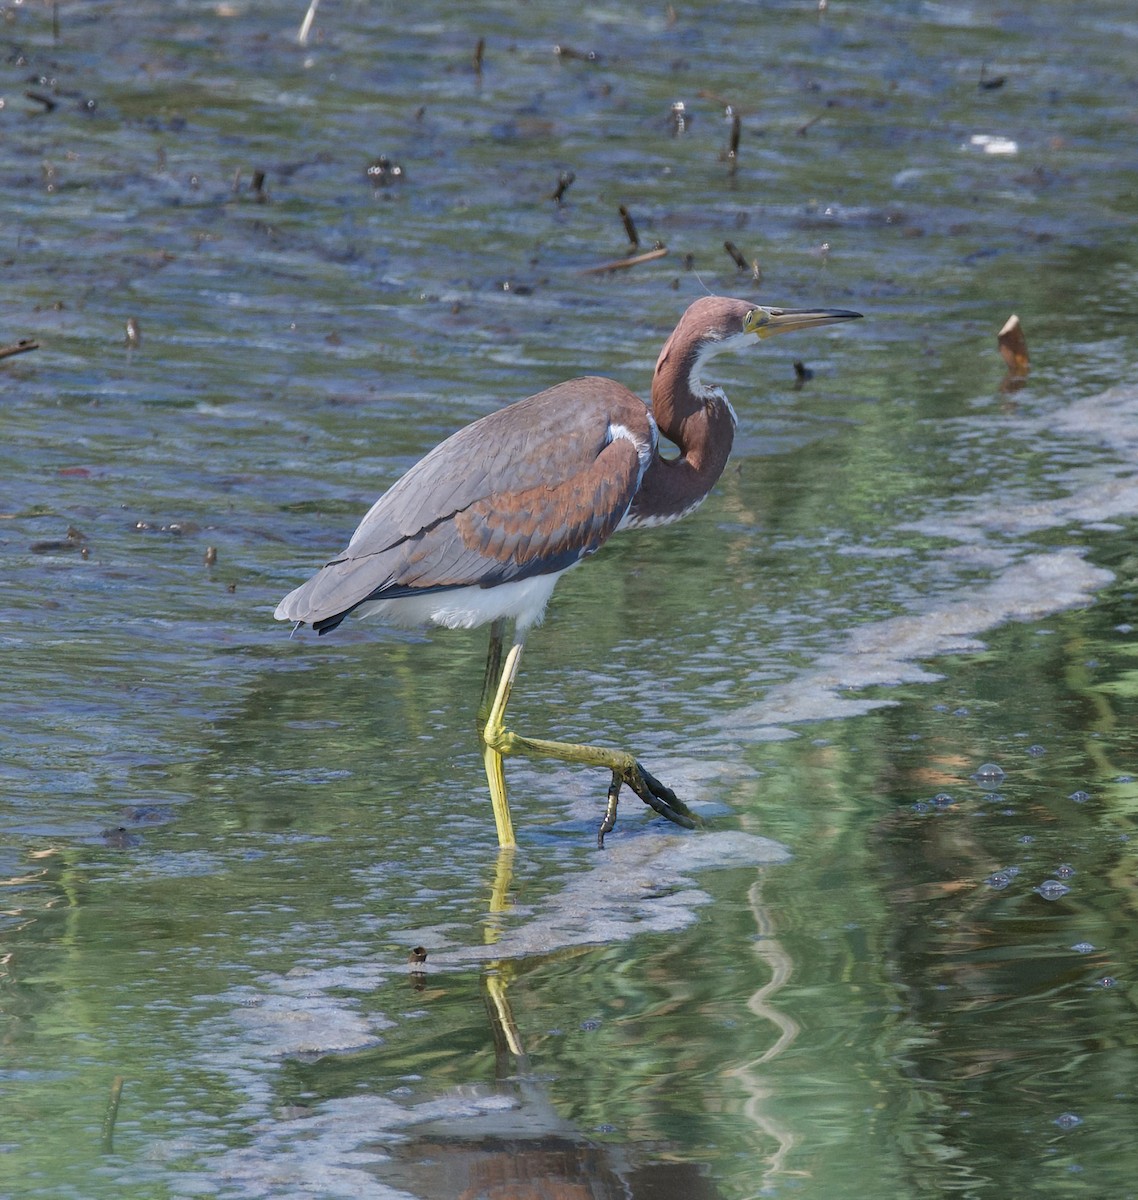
(481,529)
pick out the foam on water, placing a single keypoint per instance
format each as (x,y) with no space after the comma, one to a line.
(1023,585)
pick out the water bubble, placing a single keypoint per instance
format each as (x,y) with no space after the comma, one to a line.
(1107,981)
(1068,1120)
(1052,889)
(998,880)
(960,712)
(943,800)
(1064,871)
(590,1025)
(989,773)
(1025,839)
(1083,948)
(922,807)
(1079,797)
(1037,751)
(1012,872)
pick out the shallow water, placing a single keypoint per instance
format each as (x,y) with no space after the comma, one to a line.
(220,844)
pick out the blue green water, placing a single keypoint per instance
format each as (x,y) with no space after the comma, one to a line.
(218,844)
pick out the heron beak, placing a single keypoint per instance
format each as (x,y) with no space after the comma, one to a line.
(766,322)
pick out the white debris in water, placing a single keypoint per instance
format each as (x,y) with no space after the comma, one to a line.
(637,885)
(887,653)
(988,143)
(1024,586)
(306,1025)
(1100,491)
(643,883)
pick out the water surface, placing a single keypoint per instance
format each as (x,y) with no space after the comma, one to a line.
(220,844)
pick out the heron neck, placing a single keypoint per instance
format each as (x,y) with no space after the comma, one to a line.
(701,424)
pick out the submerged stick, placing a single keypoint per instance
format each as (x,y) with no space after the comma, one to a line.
(622,264)
(109,1117)
(564,182)
(20,347)
(736,257)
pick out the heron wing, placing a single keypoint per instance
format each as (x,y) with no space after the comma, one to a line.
(527,490)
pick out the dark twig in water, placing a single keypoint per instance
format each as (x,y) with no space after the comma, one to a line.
(75,540)
(47,102)
(564,182)
(990,85)
(107,1141)
(383,172)
(803,130)
(732,155)
(479,50)
(622,264)
(629,225)
(736,256)
(20,347)
(569,52)
(802,375)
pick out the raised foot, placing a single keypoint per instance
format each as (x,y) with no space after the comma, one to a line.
(655,794)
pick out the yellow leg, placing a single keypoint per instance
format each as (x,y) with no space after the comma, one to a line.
(495,776)
(499,741)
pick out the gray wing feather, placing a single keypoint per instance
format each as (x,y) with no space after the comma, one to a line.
(528,489)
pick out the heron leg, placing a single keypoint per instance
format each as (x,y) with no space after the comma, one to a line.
(500,741)
(493,671)
(492,758)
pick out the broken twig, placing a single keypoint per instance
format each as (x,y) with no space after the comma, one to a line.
(622,264)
